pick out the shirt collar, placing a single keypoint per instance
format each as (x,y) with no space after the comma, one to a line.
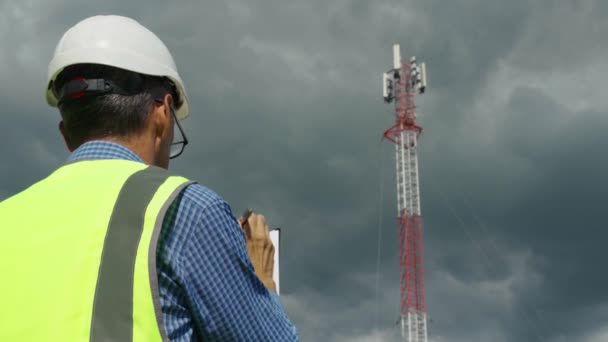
(101,149)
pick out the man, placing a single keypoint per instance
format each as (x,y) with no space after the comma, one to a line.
(111,247)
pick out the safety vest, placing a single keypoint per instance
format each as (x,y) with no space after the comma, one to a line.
(78,254)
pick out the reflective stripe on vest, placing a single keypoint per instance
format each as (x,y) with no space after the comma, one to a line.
(94,278)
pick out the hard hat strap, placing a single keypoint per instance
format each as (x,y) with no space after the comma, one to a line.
(81,86)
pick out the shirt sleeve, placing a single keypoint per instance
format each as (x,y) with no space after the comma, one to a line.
(227,300)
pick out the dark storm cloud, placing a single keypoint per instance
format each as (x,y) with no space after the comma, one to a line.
(287,118)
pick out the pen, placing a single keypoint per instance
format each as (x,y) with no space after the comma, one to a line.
(245,217)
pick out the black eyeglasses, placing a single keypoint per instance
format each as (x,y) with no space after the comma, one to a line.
(177,146)
(179,140)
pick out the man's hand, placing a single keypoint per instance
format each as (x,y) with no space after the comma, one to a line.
(260,248)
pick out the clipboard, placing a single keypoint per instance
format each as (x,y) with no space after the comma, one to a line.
(275,237)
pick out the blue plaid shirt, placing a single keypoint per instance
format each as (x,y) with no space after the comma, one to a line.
(208,288)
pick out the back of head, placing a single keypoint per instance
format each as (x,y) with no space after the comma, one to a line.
(121,113)
(135,62)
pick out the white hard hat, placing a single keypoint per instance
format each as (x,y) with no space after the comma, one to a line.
(119,42)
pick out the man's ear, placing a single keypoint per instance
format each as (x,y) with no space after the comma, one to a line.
(66,137)
(164,117)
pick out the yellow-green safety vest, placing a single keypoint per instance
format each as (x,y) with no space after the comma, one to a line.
(78,254)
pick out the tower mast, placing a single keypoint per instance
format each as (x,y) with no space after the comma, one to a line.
(401,84)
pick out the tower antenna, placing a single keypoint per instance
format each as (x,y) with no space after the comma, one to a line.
(400,85)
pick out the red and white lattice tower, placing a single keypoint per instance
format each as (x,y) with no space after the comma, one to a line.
(401,84)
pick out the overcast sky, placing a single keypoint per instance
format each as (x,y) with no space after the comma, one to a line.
(287,117)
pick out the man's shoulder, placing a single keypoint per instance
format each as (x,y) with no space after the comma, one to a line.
(184,216)
(199,197)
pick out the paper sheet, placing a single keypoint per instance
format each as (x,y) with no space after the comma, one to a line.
(275,237)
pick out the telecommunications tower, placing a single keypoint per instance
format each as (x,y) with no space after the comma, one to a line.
(400,85)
